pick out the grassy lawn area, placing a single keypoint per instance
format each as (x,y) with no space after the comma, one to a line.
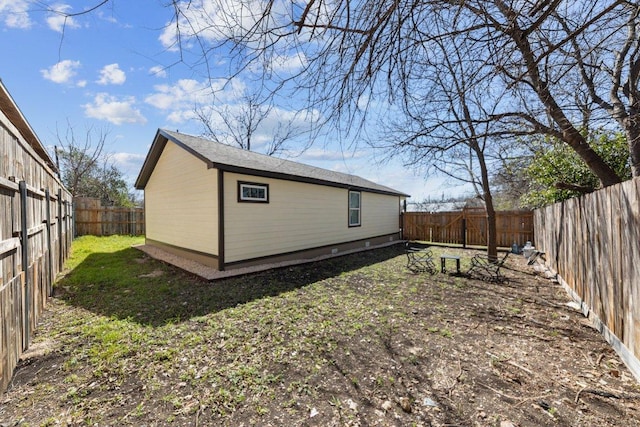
(351,341)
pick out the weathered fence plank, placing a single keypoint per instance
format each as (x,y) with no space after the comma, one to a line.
(593,243)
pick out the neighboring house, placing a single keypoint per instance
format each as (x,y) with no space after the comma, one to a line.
(229,208)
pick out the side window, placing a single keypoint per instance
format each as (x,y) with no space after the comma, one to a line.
(354,208)
(252,192)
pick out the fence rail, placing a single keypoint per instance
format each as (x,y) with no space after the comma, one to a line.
(593,243)
(93,219)
(468,227)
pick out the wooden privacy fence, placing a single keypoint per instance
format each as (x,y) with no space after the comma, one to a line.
(93,219)
(40,225)
(593,243)
(468,227)
(35,233)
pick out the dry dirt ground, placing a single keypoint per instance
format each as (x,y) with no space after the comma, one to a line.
(354,341)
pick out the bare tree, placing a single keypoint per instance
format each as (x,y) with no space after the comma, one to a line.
(87,170)
(241,123)
(80,155)
(445,125)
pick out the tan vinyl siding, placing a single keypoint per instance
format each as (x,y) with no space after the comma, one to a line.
(181,202)
(299,216)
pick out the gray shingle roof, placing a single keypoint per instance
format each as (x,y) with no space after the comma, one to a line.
(234,159)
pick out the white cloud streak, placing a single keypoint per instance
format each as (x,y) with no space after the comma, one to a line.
(158,71)
(57,19)
(180,99)
(61,72)
(114,110)
(14,13)
(111,74)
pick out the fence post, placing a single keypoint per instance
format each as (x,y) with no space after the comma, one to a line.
(60,242)
(49,249)
(73,224)
(464,232)
(24,235)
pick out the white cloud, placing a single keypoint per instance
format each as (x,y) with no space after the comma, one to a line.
(106,17)
(129,163)
(15,13)
(62,72)
(158,71)
(288,63)
(111,74)
(114,110)
(218,20)
(57,19)
(180,99)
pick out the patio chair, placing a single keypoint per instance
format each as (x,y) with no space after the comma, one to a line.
(419,258)
(488,268)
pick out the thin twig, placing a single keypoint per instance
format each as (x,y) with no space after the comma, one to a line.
(499,392)
(512,363)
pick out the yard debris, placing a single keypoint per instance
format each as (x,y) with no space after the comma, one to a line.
(405,404)
(153,274)
(427,401)
(352,405)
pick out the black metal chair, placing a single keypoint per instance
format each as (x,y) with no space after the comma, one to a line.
(488,268)
(419,258)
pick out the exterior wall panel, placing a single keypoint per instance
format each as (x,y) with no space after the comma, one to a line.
(181,202)
(299,216)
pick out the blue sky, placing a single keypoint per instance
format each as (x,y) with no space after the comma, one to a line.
(116,69)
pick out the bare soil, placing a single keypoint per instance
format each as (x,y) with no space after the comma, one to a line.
(354,341)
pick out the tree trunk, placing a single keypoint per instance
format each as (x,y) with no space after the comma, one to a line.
(575,140)
(492,233)
(632,131)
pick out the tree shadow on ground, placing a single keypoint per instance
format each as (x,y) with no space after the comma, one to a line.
(129,285)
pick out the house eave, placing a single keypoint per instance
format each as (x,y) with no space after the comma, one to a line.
(163,137)
(297,178)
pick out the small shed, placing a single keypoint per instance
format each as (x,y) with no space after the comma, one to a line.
(229,208)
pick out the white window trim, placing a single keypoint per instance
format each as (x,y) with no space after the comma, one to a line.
(359,209)
(243,198)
